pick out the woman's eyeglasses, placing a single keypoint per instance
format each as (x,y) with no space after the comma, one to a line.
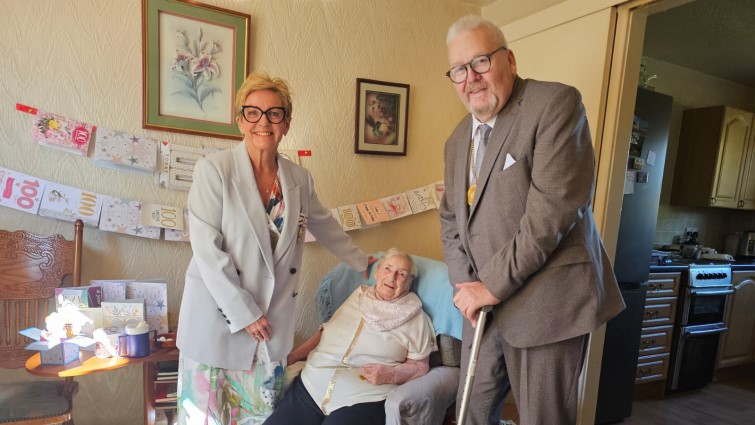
(253,114)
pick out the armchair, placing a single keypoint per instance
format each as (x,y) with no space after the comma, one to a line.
(425,400)
(31,267)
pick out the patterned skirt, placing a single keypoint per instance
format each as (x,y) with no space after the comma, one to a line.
(210,395)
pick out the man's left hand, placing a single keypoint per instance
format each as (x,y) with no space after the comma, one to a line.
(470,297)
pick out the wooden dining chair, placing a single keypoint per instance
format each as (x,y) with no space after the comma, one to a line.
(31,267)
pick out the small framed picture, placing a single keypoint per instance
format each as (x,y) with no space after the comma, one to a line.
(382,117)
(195,58)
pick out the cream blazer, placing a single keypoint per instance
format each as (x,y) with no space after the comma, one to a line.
(235,276)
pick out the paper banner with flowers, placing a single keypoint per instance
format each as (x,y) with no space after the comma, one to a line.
(194,92)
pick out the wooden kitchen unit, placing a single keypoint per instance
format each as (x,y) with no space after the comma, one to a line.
(737,346)
(714,165)
(657,333)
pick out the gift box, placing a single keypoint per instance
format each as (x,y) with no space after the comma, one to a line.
(58,354)
(55,352)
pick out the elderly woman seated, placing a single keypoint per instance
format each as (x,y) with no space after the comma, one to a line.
(377,339)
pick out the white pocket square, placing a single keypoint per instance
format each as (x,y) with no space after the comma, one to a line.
(509,161)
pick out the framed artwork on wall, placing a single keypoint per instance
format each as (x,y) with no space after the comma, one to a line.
(195,57)
(382,117)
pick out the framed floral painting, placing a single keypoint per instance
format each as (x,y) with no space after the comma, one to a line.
(195,57)
(382,117)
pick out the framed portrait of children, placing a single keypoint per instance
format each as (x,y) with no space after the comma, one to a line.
(195,57)
(382,117)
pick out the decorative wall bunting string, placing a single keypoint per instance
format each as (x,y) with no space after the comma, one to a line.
(172,166)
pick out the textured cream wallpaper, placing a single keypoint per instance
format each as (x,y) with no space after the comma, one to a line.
(82,59)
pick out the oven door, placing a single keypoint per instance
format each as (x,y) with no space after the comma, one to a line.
(695,359)
(703,306)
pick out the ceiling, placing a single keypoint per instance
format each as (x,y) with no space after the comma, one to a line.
(716,37)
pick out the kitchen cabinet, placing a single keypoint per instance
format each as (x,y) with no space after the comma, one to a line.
(738,343)
(714,163)
(657,327)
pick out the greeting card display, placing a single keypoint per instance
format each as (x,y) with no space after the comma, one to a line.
(421,199)
(95,315)
(118,314)
(20,191)
(80,296)
(373,212)
(436,190)
(179,235)
(155,296)
(57,131)
(125,152)
(164,216)
(348,216)
(124,216)
(70,204)
(397,206)
(112,290)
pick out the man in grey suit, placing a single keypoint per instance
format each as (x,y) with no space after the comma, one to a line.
(518,231)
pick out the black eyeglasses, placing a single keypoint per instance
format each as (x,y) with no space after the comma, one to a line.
(480,65)
(253,114)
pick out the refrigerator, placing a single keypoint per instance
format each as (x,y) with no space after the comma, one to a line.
(639,212)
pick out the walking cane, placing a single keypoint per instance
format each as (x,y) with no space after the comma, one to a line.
(472,366)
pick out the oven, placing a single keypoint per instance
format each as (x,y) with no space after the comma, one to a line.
(699,325)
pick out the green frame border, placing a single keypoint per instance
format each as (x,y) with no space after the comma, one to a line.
(150,64)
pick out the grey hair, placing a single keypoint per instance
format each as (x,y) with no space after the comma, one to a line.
(394,252)
(472,22)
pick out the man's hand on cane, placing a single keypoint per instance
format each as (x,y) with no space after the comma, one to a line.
(470,297)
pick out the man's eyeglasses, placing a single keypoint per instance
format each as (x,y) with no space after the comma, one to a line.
(480,65)
(253,114)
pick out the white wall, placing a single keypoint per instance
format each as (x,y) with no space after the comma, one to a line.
(82,59)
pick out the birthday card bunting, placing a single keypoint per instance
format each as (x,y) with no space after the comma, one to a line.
(164,216)
(20,191)
(420,199)
(175,235)
(57,131)
(124,216)
(125,152)
(69,204)
(397,206)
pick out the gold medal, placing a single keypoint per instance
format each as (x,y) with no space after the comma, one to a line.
(470,193)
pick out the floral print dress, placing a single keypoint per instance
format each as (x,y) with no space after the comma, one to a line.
(210,395)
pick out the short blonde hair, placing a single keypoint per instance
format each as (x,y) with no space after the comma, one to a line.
(262,81)
(472,22)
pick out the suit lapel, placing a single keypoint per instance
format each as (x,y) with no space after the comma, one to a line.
(497,139)
(292,200)
(461,173)
(249,198)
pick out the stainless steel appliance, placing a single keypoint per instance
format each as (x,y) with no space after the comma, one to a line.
(746,246)
(699,325)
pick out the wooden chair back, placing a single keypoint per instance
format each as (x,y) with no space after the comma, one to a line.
(31,267)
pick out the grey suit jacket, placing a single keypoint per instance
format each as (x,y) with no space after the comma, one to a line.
(235,276)
(529,235)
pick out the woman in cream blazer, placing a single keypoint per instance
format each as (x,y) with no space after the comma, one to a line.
(236,323)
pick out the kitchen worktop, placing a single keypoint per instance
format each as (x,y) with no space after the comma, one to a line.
(680,266)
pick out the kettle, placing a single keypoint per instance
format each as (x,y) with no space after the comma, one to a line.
(690,248)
